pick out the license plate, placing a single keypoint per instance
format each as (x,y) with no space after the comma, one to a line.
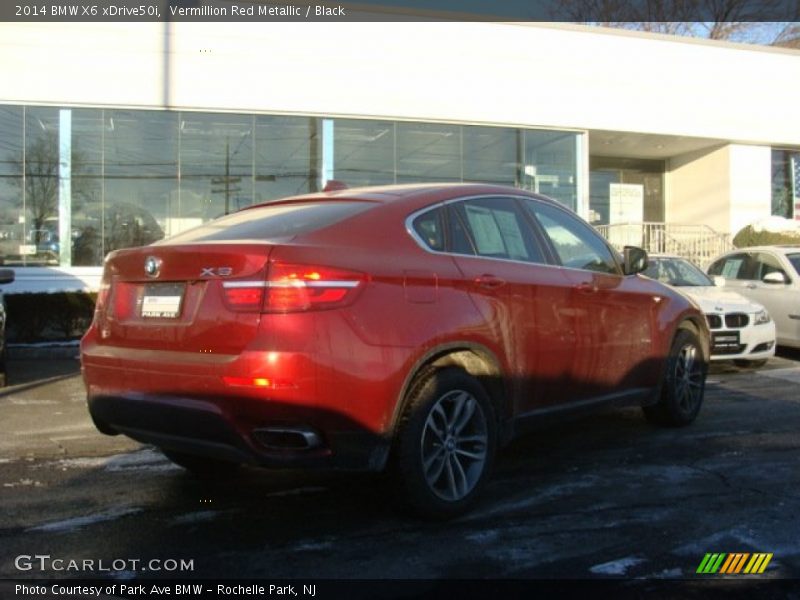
(162,300)
(726,340)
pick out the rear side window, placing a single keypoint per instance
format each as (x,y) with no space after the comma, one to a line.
(276,221)
(429,228)
(498,230)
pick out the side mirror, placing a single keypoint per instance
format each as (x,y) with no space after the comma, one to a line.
(6,276)
(634,260)
(775,278)
(718,280)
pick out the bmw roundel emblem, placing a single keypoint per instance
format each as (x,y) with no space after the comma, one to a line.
(152,266)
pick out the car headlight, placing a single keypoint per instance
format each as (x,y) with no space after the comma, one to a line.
(762,317)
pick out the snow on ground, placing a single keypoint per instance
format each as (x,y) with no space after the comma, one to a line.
(617,567)
(297,491)
(81,522)
(140,460)
(200,516)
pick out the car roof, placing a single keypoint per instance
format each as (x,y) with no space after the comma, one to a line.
(780,248)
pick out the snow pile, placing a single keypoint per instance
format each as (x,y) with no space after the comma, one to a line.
(777,225)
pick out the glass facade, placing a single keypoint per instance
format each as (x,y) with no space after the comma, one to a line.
(786,183)
(642,183)
(77,183)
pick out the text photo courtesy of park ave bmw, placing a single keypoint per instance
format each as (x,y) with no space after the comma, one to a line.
(330,299)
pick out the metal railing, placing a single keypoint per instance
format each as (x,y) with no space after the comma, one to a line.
(697,243)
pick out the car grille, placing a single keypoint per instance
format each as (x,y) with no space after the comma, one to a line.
(736,320)
(732,321)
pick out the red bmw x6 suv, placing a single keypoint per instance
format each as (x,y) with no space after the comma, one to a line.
(415,327)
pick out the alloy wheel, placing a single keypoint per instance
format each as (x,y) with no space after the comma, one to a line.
(454,445)
(688,378)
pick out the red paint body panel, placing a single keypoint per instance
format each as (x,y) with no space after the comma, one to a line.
(344,370)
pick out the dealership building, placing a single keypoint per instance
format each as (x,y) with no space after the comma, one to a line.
(118,134)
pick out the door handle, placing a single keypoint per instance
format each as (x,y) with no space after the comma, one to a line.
(489,281)
(751,286)
(586,288)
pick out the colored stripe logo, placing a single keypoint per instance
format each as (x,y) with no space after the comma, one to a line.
(734,563)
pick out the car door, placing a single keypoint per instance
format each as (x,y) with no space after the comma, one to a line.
(782,300)
(614,314)
(522,299)
(737,269)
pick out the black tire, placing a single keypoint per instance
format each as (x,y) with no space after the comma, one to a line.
(684,383)
(750,364)
(203,467)
(448,425)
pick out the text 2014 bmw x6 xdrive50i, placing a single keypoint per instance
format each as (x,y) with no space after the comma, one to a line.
(413,327)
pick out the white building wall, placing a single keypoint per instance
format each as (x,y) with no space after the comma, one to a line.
(725,188)
(750,185)
(514,74)
(699,189)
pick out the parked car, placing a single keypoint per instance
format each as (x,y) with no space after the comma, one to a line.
(6,276)
(741,329)
(414,328)
(769,275)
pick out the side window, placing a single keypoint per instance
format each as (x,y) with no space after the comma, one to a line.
(498,230)
(716,267)
(738,266)
(575,243)
(766,264)
(429,228)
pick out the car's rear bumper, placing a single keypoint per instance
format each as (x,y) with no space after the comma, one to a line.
(204,427)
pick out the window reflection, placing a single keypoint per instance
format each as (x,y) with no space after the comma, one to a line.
(136,176)
(364,152)
(287,156)
(428,152)
(490,155)
(785,183)
(550,165)
(12,207)
(216,160)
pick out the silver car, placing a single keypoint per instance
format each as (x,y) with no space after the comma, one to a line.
(770,275)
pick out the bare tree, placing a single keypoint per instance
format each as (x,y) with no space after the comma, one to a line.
(789,36)
(737,20)
(41,181)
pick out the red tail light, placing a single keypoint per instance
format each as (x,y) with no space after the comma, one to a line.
(292,288)
(102,293)
(244,296)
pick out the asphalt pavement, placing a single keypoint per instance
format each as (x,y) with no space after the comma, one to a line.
(604,496)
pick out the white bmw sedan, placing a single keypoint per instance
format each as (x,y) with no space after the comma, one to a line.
(741,329)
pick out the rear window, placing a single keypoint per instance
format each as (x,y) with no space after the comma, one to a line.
(277,221)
